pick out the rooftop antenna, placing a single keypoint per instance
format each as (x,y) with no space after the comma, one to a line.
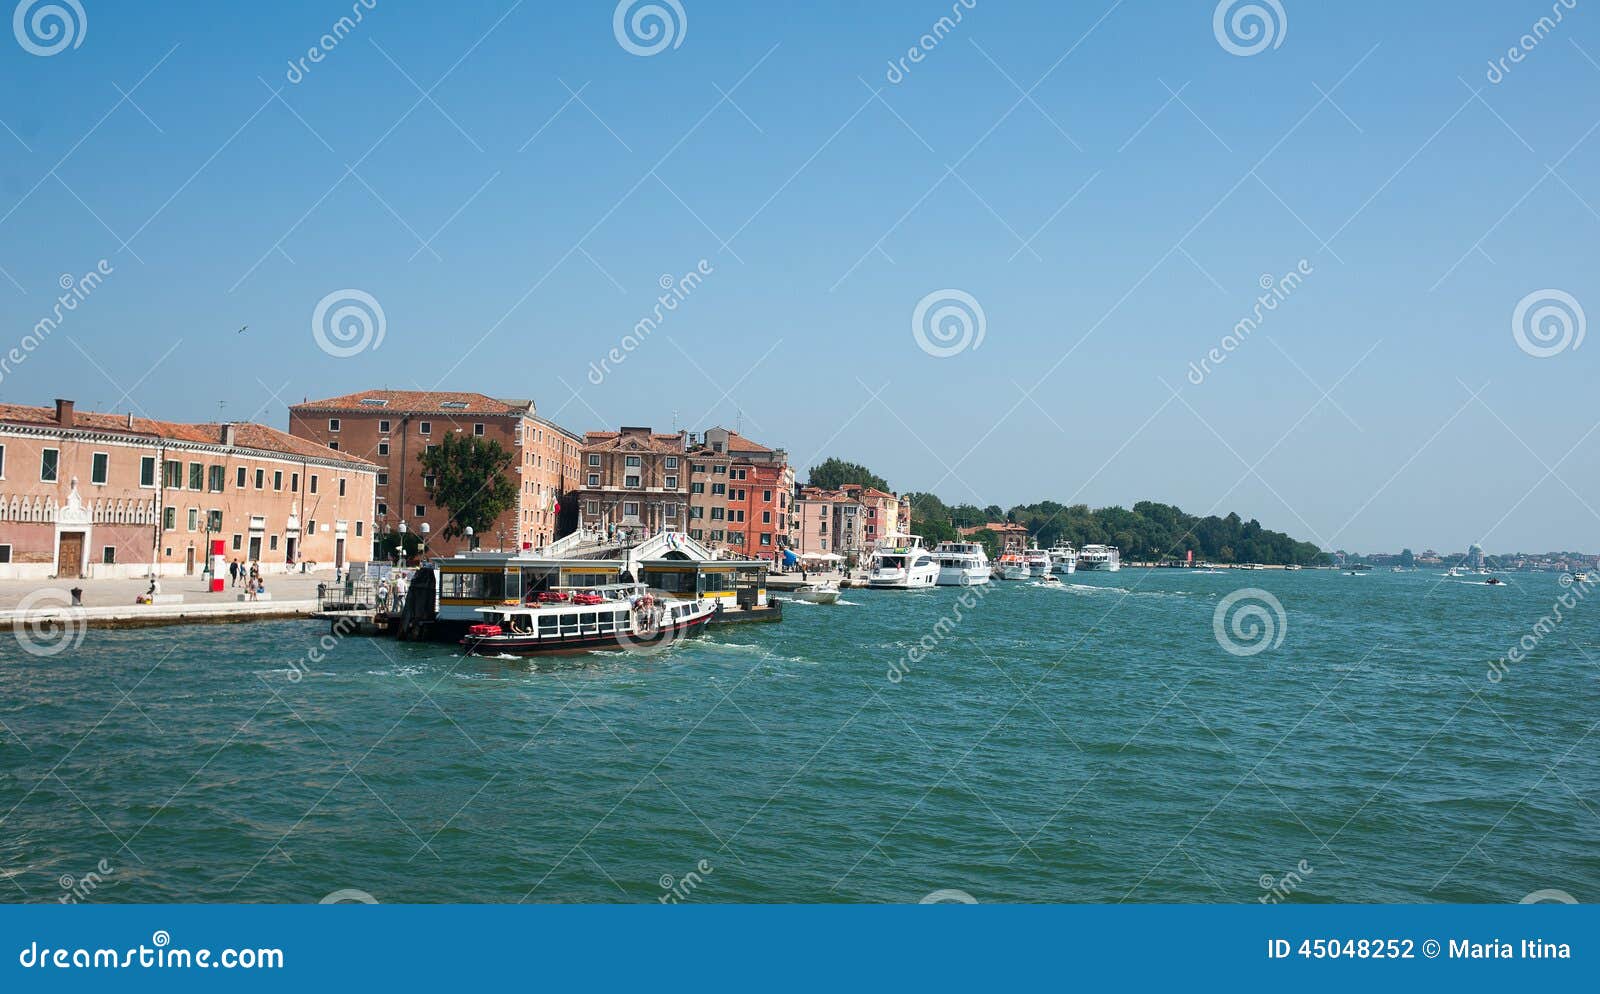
(738,421)
(220,405)
(674,422)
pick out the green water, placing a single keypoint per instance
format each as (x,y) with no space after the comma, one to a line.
(1089,743)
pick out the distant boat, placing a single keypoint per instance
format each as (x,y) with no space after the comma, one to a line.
(1494,581)
(1292,566)
(817,593)
(1099,558)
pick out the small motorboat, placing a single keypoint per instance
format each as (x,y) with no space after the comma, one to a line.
(817,593)
(1050,580)
(1494,581)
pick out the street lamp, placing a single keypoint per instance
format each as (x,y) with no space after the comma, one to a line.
(472,538)
(422,553)
(400,546)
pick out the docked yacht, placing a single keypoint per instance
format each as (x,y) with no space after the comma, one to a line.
(1038,561)
(1063,558)
(961,564)
(1104,558)
(902,562)
(1012,566)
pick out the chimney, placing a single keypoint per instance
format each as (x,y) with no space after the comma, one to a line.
(228,434)
(64,415)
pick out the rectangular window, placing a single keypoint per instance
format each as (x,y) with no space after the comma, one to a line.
(108,555)
(214,479)
(719,488)
(294,483)
(2,463)
(383,510)
(669,510)
(593,508)
(277,480)
(766,496)
(272,543)
(766,517)
(383,479)
(194,519)
(477,429)
(311,528)
(238,542)
(425,427)
(717,514)
(172,474)
(99,468)
(696,511)
(238,477)
(197,476)
(594,458)
(334,446)
(383,427)
(633,461)
(333,424)
(630,510)
(630,481)
(696,534)
(672,483)
(5,554)
(719,469)
(169,518)
(358,529)
(49,465)
(383,448)
(697,488)
(766,538)
(594,479)
(420,511)
(313,483)
(147,471)
(716,536)
(261,479)
(341,486)
(214,520)
(672,462)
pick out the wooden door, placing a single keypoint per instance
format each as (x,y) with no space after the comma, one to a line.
(188,561)
(69,559)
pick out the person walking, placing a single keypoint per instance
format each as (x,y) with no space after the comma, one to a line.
(233,573)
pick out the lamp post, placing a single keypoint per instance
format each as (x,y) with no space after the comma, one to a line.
(472,539)
(422,552)
(400,547)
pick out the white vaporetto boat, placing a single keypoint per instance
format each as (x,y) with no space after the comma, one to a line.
(1063,559)
(1013,566)
(1038,562)
(902,562)
(962,564)
(1099,558)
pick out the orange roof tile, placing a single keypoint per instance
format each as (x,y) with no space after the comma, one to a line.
(417,401)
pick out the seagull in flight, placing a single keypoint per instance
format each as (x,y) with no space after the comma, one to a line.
(241,330)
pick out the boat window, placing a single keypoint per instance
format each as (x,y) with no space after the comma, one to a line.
(547,624)
(513,585)
(622,620)
(588,620)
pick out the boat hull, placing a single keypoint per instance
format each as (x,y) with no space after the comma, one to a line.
(514,645)
(970,576)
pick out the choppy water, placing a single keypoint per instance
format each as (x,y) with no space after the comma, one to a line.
(1088,743)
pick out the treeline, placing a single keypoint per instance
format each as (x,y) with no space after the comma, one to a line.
(1150,531)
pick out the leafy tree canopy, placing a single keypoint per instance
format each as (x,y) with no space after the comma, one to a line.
(834,473)
(471,482)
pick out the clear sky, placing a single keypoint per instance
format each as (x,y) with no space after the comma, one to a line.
(1108,181)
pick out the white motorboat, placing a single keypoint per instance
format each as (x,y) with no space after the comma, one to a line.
(1038,562)
(817,593)
(1063,559)
(902,562)
(1012,566)
(1099,558)
(962,564)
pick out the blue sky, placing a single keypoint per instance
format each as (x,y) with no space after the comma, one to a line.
(1106,180)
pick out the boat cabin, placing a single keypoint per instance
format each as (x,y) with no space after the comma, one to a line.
(741,582)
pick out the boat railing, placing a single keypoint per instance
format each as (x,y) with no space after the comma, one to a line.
(359,595)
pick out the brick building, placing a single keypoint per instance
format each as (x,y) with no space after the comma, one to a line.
(635,479)
(740,494)
(393,428)
(106,495)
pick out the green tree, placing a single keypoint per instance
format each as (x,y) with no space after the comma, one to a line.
(834,473)
(470,481)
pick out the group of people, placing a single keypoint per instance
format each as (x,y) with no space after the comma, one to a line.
(251,576)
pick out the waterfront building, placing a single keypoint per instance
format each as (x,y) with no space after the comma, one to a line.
(92,495)
(1013,537)
(634,479)
(739,494)
(394,428)
(832,521)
